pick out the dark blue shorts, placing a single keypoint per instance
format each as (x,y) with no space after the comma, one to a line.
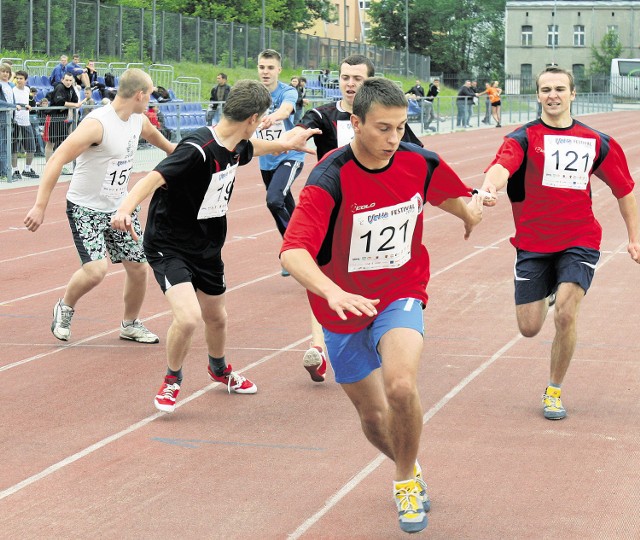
(354,356)
(537,275)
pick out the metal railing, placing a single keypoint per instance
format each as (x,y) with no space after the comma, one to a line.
(129,34)
(178,118)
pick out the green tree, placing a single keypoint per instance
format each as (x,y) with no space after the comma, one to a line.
(289,15)
(610,48)
(465,35)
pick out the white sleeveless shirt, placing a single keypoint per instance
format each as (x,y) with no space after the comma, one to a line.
(101,176)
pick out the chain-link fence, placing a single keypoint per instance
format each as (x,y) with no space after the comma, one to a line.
(50,28)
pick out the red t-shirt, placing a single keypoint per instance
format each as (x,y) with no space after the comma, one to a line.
(549,183)
(364,227)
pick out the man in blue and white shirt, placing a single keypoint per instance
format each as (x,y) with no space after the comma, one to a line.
(278,172)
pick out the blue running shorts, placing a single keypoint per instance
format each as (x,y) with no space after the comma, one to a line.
(354,356)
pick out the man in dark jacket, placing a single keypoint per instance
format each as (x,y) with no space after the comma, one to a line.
(464,102)
(219,95)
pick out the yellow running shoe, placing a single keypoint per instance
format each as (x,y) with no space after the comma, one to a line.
(411,514)
(552,404)
(422,485)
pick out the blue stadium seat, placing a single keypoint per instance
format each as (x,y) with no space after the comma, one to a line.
(97,97)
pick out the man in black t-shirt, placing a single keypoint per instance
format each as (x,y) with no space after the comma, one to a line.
(58,122)
(187,227)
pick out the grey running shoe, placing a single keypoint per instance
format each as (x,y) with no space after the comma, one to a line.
(61,324)
(137,331)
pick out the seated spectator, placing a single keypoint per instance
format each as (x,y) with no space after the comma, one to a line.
(79,73)
(161,94)
(59,71)
(92,74)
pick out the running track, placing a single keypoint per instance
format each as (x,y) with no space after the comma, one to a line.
(85,454)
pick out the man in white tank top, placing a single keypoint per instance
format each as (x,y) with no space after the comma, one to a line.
(104,145)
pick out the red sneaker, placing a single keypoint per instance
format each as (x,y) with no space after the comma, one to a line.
(166,398)
(234,381)
(315,363)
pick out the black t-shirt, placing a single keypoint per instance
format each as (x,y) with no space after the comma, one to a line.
(433,92)
(188,214)
(61,95)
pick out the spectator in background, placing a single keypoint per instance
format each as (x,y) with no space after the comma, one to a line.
(59,71)
(417,90)
(92,74)
(79,73)
(296,82)
(429,113)
(219,94)
(474,101)
(487,105)
(463,102)
(155,116)
(33,120)
(302,85)
(88,97)
(56,128)
(22,133)
(6,101)
(494,91)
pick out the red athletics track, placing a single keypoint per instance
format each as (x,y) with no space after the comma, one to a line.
(85,455)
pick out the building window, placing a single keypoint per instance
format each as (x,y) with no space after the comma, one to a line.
(578,71)
(364,4)
(552,35)
(578,35)
(527,36)
(526,77)
(337,21)
(346,16)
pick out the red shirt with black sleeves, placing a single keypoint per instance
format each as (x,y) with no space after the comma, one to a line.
(549,183)
(364,227)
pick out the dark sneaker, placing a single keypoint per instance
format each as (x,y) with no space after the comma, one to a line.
(30,174)
(234,381)
(16,176)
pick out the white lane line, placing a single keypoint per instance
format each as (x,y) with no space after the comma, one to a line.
(134,427)
(106,333)
(375,463)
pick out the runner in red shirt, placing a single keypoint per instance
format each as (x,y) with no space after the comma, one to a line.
(355,242)
(546,166)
